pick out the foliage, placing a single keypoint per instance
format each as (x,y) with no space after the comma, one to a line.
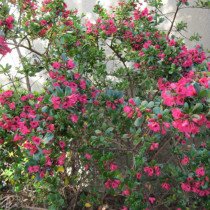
(137,133)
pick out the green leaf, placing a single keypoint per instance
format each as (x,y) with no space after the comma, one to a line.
(45,109)
(150,104)
(197,108)
(125,136)
(144,103)
(186,107)
(138,121)
(109,130)
(59,92)
(157,110)
(48,137)
(166,111)
(196,116)
(137,100)
(68,91)
(98,131)
(202,93)
(38,155)
(197,88)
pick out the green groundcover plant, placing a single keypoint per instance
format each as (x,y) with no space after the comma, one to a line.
(129,136)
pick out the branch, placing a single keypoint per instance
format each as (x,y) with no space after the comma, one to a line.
(27,78)
(28,48)
(172,24)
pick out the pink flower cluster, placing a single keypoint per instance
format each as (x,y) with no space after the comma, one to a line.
(107,25)
(8,22)
(184,124)
(131,109)
(155,126)
(150,171)
(175,93)
(4,49)
(193,186)
(114,184)
(111,165)
(141,14)
(187,58)
(113,105)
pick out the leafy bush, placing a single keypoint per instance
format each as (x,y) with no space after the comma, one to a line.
(133,136)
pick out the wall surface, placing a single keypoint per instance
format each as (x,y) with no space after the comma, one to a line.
(198,20)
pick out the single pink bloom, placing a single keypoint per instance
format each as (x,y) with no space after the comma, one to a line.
(74,118)
(62,144)
(42,174)
(88,156)
(126,192)
(113,167)
(152,199)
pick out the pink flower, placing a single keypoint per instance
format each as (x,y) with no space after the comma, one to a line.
(36,140)
(76,76)
(42,174)
(74,118)
(34,124)
(25,130)
(108,183)
(177,114)
(136,65)
(88,156)
(138,175)
(27,22)
(149,170)
(108,104)
(185,187)
(185,160)
(191,91)
(121,100)
(166,186)
(12,105)
(62,144)
(113,167)
(131,101)
(45,151)
(154,126)
(36,168)
(43,22)
(17,137)
(56,65)
(126,192)
(82,84)
(127,109)
(30,169)
(152,199)
(172,43)
(115,184)
(154,145)
(70,64)
(200,171)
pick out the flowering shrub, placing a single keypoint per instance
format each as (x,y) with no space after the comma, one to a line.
(84,138)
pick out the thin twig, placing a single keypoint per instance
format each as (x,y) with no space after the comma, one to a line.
(172,24)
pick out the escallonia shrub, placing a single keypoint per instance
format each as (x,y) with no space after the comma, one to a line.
(83,141)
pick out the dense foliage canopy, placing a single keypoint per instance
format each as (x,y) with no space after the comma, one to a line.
(123,119)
